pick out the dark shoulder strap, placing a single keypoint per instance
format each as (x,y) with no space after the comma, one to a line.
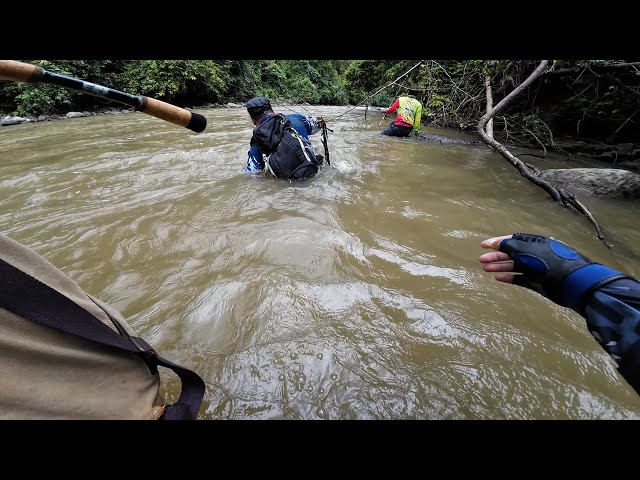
(26,296)
(269,133)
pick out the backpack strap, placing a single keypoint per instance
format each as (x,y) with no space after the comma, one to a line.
(296,135)
(26,296)
(268,134)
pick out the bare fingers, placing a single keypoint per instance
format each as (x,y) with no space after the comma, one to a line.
(504,277)
(493,257)
(493,242)
(497,261)
(498,267)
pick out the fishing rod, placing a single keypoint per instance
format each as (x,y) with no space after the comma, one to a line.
(384,115)
(324,141)
(24,72)
(377,91)
(323,126)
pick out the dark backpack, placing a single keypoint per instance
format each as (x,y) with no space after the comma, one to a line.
(290,156)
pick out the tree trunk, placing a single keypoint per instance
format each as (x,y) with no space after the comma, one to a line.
(531,174)
(487,86)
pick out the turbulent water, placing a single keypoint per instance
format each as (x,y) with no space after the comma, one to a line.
(354,295)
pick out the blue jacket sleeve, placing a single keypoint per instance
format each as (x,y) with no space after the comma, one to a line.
(613,318)
(254,161)
(309,123)
(313,125)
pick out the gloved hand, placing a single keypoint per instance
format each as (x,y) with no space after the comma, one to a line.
(549,267)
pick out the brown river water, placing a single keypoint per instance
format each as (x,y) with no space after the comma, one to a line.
(354,295)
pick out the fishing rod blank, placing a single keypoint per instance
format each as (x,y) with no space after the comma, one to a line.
(27,73)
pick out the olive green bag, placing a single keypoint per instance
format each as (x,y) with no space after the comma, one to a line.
(67,355)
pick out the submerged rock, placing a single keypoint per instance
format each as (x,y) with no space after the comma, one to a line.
(429,137)
(602,182)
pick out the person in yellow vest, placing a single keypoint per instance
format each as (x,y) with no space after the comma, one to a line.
(408,117)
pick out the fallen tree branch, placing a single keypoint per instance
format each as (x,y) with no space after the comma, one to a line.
(556,193)
(553,143)
(533,168)
(577,204)
(516,91)
(566,71)
(454,83)
(611,78)
(544,149)
(480,94)
(615,152)
(626,121)
(530,155)
(469,100)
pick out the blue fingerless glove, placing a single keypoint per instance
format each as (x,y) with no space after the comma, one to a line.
(555,270)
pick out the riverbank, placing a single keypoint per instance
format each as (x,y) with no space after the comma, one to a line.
(623,155)
(9,120)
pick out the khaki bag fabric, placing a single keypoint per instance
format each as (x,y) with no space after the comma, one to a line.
(46,373)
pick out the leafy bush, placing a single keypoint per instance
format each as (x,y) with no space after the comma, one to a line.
(169,79)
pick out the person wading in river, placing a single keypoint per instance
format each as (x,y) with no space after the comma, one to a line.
(408,117)
(280,143)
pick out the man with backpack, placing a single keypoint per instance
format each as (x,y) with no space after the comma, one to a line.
(280,143)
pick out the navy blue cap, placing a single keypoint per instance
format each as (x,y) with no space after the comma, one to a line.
(258,105)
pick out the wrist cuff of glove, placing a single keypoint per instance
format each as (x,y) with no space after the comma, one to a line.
(581,282)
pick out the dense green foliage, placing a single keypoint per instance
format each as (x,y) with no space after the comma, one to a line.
(182,82)
(172,80)
(579,98)
(584,99)
(36,99)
